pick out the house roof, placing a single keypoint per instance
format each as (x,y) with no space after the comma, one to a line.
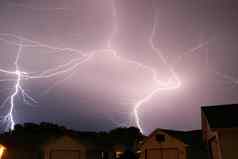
(196,148)
(191,138)
(222,116)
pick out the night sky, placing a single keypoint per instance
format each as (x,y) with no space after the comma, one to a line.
(198,39)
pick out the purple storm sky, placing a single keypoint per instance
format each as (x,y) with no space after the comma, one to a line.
(100,94)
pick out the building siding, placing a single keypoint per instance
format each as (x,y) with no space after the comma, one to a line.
(229,143)
(170,144)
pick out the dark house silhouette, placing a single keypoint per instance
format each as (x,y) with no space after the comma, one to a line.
(218,139)
(220,130)
(171,144)
(49,141)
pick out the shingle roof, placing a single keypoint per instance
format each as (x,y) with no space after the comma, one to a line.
(188,137)
(222,116)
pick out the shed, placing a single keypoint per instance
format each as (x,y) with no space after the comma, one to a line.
(171,144)
(64,148)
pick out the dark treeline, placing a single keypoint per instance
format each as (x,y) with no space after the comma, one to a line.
(31,134)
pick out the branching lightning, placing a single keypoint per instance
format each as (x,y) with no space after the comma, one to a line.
(21,42)
(17,88)
(20,75)
(171,84)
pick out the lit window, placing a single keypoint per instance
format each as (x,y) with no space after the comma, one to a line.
(138,151)
(2,149)
(118,154)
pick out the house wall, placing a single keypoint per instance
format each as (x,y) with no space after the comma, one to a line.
(214,147)
(97,154)
(229,143)
(22,153)
(118,150)
(222,142)
(93,154)
(64,144)
(211,138)
(170,144)
(205,127)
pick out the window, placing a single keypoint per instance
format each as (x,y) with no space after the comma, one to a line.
(160,138)
(118,154)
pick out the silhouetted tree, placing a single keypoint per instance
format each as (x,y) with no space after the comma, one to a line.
(126,135)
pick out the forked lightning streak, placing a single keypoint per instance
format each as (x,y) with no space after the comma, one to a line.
(21,42)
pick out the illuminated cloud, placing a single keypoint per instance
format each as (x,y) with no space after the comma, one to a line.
(104,51)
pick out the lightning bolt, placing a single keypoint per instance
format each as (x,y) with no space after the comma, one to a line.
(18,88)
(172,83)
(71,66)
(20,75)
